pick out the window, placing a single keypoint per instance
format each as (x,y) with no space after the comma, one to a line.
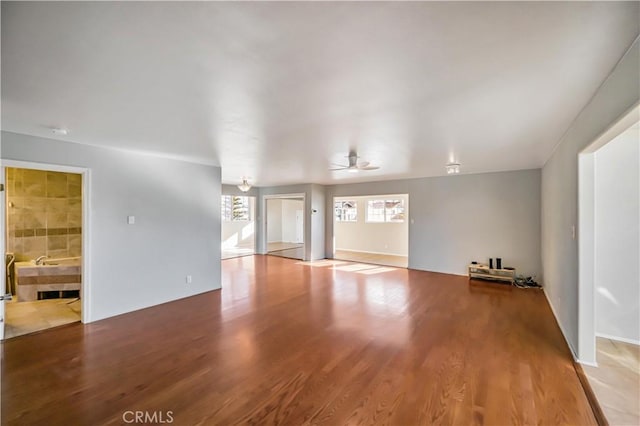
(394,211)
(346,211)
(385,211)
(375,211)
(235,208)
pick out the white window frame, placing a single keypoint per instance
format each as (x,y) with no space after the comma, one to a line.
(345,210)
(385,210)
(230,217)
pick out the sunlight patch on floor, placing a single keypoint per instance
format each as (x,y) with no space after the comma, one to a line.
(322,263)
(376,270)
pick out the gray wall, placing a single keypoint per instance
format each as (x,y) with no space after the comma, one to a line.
(177,230)
(617,238)
(456,219)
(616,95)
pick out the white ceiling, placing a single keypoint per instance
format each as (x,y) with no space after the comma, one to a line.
(278,91)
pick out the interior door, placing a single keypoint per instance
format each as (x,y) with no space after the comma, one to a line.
(299,227)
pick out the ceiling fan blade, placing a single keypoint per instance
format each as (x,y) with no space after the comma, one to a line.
(369,168)
(339,168)
(363,164)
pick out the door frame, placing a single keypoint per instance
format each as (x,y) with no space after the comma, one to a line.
(263,220)
(85,285)
(302,219)
(586,235)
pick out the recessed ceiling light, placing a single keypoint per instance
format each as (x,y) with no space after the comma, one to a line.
(59,131)
(453,168)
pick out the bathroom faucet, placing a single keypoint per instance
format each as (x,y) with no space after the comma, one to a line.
(40,260)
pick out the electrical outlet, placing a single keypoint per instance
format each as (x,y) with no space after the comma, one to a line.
(189,279)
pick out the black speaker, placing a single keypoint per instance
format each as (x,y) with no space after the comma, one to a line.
(498,263)
(490,263)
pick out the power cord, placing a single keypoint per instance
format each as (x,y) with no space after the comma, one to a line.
(521,282)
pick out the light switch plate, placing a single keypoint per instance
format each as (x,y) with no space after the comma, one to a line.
(131,220)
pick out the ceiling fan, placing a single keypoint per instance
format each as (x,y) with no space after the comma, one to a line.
(354,166)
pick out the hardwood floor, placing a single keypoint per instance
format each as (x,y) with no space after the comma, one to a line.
(616,381)
(293,343)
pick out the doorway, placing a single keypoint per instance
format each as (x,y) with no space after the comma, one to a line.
(44,239)
(238,226)
(285,224)
(372,229)
(609,283)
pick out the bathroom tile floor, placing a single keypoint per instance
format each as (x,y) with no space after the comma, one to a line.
(616,380)
(28,317)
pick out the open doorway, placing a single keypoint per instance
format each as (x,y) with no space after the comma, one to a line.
(238,226)
(609,283)
(372,229)
(284,216)
(43,248)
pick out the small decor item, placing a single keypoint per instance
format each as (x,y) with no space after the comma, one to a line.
(498,263)
(474,263)
(491,263)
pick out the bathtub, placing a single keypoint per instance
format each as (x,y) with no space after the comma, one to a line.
(62,274)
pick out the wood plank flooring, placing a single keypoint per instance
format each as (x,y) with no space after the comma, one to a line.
(616,380)
(295,343)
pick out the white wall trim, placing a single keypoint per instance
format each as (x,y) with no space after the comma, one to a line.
(619,339)
(86,222)
(586,257)
(371,252)
(555,315)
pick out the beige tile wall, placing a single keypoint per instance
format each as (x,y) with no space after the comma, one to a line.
(44,213)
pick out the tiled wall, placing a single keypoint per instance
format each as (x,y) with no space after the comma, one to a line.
(44,213)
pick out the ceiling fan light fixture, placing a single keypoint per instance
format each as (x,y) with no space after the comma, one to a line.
(354,166)
(453,168)
(244,186)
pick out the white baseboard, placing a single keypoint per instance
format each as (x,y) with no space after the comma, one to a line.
(371,252)
(573,352)
(619,339)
